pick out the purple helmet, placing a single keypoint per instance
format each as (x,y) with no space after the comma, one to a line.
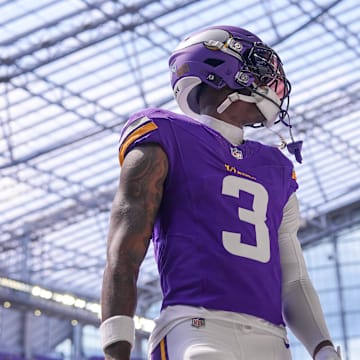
(229,56)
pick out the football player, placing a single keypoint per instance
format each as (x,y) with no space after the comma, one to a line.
(221,211)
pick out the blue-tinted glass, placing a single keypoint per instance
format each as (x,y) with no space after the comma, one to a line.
(353,324)
(323,278)
(348,247)
(354,348)
(335,326)
(319,255)
(352,300)
(350,275)
(329,301)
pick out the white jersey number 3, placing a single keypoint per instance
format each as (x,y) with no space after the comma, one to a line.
(232,186)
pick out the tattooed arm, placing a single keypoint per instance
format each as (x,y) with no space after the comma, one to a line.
(132,218)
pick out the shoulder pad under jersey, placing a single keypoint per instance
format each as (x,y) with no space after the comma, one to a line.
(141,125)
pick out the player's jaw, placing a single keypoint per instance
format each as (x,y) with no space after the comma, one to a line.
(242,114)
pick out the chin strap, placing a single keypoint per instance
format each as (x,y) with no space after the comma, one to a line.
(265,99)
(268,103)
(283,143)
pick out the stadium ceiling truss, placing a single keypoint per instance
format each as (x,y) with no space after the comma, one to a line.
(71,72)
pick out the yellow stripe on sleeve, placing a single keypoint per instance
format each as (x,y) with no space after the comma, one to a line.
(133,126)
(150,126)
(162,349)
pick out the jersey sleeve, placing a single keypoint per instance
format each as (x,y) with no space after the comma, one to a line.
(289,179)
(293,184)
(148,126)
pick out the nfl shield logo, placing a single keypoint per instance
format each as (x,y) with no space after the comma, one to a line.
(236,153)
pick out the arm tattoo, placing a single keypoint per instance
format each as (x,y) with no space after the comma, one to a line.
(133,215)
(142,186)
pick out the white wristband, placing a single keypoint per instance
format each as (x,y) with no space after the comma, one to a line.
(117,328)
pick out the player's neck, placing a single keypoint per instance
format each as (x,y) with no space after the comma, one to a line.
(232,133)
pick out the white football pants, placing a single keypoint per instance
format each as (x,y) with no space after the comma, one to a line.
(217,340)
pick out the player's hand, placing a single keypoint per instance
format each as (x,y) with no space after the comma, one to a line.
(118,351)
(328,353)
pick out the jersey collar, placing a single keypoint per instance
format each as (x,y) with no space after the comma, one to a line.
(231,133)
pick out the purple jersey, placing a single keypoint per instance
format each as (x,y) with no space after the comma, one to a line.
(216,234)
